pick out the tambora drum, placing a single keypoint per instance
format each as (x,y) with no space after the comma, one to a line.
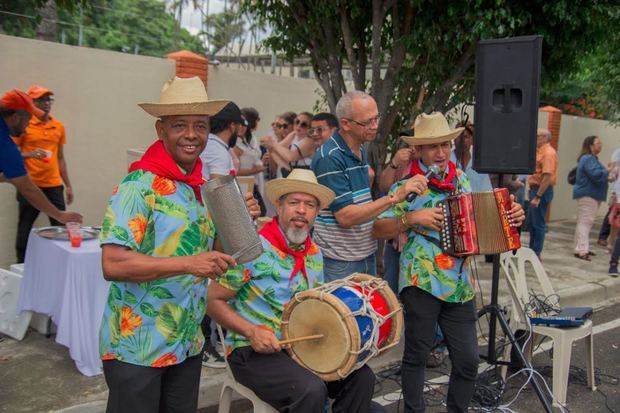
(358,316)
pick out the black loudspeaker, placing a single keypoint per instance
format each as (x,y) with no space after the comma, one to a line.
(506,111)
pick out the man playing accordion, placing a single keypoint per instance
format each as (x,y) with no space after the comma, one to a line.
(435,288)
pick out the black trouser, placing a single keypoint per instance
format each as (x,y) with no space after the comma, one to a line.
(615,253)
(605,227)
(134,388)
(458,323)
(288,387)
(28,214)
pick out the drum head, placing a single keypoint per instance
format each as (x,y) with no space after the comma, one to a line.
(314,316)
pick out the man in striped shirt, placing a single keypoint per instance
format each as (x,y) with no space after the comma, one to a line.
(344,230)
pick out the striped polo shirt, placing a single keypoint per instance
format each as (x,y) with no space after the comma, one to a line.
(338,168)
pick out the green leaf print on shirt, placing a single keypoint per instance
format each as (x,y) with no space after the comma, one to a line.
(172,322)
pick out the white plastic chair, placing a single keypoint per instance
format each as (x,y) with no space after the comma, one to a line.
(563,338)
(12,323)
(231,384)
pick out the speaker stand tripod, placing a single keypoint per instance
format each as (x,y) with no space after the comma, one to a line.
(497,314)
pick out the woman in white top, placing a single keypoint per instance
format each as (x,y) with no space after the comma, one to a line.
(249,153)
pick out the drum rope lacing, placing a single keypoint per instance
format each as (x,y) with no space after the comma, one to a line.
(366,310)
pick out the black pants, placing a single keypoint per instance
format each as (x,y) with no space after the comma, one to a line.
(458,323)
(28,214)
(134,388)
(288,387)
(605,227)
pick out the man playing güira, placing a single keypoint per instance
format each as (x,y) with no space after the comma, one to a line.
(158,244)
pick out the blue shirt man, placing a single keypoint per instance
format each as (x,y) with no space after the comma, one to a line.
(344,230)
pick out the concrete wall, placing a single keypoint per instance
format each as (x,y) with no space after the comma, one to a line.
(96,96)
(96,93)
(271,95)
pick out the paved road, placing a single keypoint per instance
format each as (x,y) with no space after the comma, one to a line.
(580,398)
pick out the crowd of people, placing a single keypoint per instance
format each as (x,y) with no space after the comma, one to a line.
(171,280)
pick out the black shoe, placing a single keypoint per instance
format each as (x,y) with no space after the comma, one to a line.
(613,270)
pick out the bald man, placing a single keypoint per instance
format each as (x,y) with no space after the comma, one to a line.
(541,188)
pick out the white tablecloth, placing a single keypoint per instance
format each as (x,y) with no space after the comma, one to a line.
(67,284)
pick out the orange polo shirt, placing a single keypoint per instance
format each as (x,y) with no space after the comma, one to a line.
(44,173)
(546,163)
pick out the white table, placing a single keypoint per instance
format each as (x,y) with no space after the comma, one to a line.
(67,284)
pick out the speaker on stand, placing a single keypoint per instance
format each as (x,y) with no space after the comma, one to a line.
(506,118)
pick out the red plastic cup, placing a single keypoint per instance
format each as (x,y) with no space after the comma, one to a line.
(76,239)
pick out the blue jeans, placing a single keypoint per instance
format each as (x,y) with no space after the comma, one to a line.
(391,259)
(337,270)
(537,224)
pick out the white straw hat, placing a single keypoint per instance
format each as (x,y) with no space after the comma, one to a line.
(299,180)
(431,129)
(183,96)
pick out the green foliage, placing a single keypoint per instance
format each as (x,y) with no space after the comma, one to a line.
(132,26)
(224,28)
(419,55)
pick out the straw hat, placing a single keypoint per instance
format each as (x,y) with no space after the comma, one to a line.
(183,96)
(431,129)
(299,180)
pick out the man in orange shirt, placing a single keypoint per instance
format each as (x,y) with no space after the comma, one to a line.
(41,146)
(541,188)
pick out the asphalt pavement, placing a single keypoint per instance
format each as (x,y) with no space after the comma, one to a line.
(518,396)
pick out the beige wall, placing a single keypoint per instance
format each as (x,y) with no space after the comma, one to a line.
(269,94)
(96,94)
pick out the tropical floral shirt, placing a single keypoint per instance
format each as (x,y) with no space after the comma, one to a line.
(422,263)
(155,323)
(264,286)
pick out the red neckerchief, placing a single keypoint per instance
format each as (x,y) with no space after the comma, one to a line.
(445,185)
(272,233)
(157,160)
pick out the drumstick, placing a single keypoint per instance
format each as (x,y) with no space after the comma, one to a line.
(304,338)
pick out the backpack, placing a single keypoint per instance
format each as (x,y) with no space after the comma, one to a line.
(572,176)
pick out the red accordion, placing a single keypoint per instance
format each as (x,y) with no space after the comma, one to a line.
(477,223)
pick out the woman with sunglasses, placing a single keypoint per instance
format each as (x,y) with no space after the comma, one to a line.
(297,149)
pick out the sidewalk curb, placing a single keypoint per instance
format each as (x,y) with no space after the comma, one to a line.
(592,294)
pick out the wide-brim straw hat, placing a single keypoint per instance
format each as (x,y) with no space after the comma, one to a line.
(183,96)
(299,180)
(431,129)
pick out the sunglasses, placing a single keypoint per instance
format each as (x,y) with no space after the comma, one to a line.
(301,123)
(315,131)
(281,125)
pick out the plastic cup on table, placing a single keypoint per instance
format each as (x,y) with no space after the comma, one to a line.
(74,230)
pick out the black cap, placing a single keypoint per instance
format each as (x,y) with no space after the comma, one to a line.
(230,112)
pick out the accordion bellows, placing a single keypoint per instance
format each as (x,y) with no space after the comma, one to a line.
(478,223)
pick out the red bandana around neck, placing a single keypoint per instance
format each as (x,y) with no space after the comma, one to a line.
(272,233)
(157,160)
(444,185)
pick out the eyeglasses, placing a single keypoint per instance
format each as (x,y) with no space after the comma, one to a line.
(301,123)
(368,123)
(315,131)
(48,99)
(281,125)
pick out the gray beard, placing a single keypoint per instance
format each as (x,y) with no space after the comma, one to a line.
(296,236)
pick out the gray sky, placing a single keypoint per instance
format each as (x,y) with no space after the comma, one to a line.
(192,19)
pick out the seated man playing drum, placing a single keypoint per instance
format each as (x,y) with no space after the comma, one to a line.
(249,300)
(435,288)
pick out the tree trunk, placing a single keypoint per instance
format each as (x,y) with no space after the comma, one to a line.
(49,15)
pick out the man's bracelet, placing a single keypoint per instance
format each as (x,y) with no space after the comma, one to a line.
(403,220)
